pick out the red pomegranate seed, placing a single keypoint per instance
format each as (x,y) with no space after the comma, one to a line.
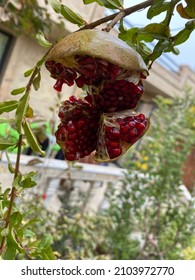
(70,156)
(140,127)
(113,134)
(124,129)
(58,85)
(115,152)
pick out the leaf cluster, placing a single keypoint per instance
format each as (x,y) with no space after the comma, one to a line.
(21,241)
(155,39)
(23,112)
(26,16)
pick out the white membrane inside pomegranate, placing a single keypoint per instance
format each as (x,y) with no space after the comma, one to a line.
(117,96)
(118,132)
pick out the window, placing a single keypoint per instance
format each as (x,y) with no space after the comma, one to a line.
(5,43)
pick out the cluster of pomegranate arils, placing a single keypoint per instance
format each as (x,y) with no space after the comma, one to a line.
(104,120)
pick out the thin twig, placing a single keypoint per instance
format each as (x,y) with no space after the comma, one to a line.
(120,16)
(13,192)
(25,250)
(150,238)
(173,3)
(127,12)
(17,165)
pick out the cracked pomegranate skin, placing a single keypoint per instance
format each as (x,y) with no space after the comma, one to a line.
(99,44)
(118,132)
(93,58)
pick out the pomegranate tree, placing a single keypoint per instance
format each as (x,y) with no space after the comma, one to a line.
(111,73)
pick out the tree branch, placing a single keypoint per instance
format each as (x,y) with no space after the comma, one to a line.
(120,16)
(13,192)
(125,13)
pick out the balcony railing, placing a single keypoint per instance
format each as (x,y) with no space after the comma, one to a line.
(55,177)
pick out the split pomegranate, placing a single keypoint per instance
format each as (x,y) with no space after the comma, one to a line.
(111,72)
(118,132)
(77,132)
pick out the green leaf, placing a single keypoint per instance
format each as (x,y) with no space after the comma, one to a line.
(29,233)
(21,111)
(45,242)
(18,91)
(187,12)
(36,81)
(42,41)
(71,16)
(157,8)
(11,168)
(28,183)
(4,145)
(29,112)
(15,220)
(129,35)
(175,51)
(6,193)
(156,30)
(110,4)
(12,245)
(161,46)
(31,222)
(10,252)
(115,3)
(56,5)
(32,139)
(6,204)
(8,106)
(40,62)
(144,51)
(121,28)
(5,232)
(28,72)
(182,36)
(50,254)
(16,182)
(30,174)
(99,2)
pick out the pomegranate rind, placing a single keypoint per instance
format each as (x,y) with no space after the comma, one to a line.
(99,44)
(101,154)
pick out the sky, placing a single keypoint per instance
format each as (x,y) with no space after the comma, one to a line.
(186,49)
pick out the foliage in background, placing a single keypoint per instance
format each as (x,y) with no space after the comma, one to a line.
(151,201)
(161,159)
(149,215)
(26,16)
